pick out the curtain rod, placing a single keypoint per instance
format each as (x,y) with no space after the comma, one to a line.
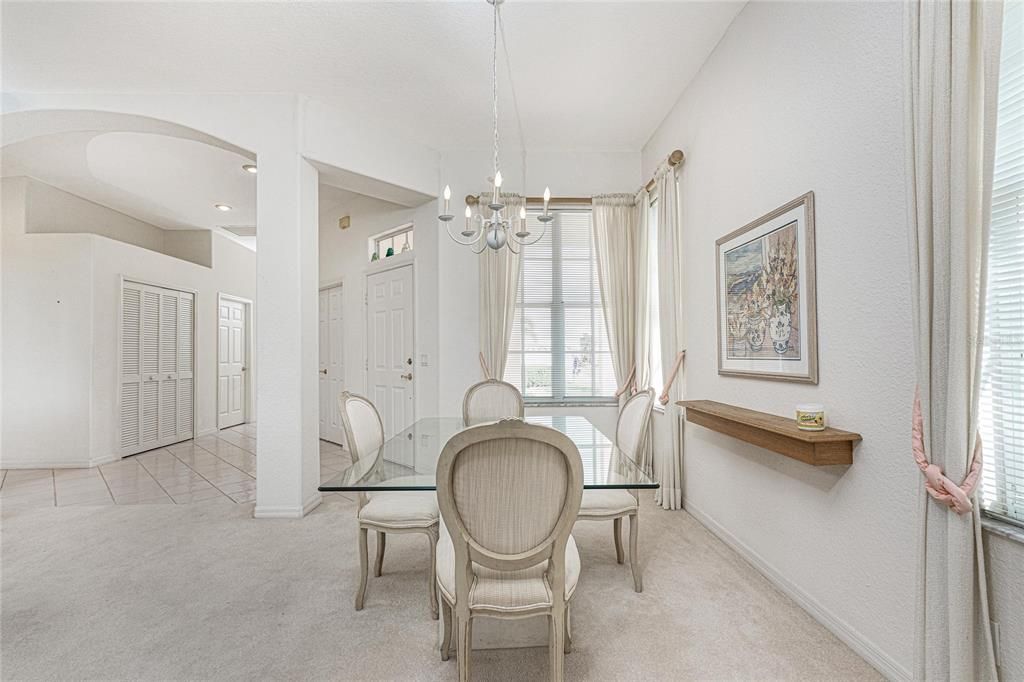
(473,201)
(674,159)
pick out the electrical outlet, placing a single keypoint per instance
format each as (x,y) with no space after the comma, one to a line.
(996,646)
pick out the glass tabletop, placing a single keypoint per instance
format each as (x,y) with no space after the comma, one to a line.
(408,460)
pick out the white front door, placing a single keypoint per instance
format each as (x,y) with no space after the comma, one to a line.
(331,366)
(389,346)
(231,367)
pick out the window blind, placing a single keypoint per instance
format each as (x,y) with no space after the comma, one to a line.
(1002,396)
(559,348)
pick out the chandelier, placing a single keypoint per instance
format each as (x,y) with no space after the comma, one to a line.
(499,228)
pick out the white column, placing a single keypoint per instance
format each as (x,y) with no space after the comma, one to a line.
(288,454)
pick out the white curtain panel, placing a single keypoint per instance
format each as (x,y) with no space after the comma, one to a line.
(952,62)
(499,286)
(615,244)
(668,463)
(642,328)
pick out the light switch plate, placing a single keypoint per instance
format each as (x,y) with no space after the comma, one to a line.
(424,360)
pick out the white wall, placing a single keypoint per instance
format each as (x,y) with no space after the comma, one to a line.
(61,298)
(798,97)
(52,210)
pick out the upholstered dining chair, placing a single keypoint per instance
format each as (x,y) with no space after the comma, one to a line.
(491,400)
(509,493)
(610,504)
(384,512)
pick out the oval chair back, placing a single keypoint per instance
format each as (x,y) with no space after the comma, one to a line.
(364,430)
(491,400)
(509,494)
(634,422)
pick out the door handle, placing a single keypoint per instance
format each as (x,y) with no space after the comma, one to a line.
(323,371)
(244,368)
(407,377)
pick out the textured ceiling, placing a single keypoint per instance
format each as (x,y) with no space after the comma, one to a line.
(595,76)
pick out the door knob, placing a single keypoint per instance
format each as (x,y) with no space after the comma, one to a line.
(407,377)
(323,371)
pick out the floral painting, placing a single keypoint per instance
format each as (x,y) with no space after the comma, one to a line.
(766,296)
(762,311)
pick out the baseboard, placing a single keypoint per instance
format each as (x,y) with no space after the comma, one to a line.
(867,650)
(52,464)
(267,512)
(206,432)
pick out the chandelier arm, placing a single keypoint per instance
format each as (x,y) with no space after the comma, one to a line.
(512,240)
(523,242)
(478,233)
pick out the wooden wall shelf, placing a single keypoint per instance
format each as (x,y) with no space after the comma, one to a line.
(779,434)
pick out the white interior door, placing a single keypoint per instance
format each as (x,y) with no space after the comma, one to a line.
(389,346)
(232,345)
(157,364)
(331,365)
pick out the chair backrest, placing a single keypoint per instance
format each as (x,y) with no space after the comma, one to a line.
(490,401)
(364,429)
(509,494)
(634,422)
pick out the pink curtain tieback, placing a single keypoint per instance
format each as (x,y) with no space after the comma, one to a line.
(484,367)
(628,383)
(663,398)
(941,488)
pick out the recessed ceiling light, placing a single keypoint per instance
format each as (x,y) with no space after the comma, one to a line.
(222,207)
(249,168)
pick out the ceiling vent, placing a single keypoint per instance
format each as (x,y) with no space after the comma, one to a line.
(240,230)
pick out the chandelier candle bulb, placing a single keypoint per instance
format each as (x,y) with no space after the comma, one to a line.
(447,197)
(810,417)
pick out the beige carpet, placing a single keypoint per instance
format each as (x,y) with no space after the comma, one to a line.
(206,592)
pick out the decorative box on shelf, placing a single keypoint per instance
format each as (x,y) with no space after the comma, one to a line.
(779,434)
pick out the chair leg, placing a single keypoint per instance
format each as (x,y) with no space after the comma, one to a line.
(446,642)
(432,587)
(363,567)
(617,533)
(568,629)
(465,644)
(634,555)
(378,565)
(556,645)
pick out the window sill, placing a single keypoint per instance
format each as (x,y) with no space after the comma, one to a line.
(1002,528)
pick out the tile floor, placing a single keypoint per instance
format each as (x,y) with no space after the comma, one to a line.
(218,467)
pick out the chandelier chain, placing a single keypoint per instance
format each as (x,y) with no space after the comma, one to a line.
(494,84)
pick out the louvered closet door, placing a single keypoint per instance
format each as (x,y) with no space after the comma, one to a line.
(157,360)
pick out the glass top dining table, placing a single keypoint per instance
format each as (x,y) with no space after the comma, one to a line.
(408,460)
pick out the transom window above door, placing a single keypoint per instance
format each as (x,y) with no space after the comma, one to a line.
(559,348)
(398,240)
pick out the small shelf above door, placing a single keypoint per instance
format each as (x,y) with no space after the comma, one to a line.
(778,434)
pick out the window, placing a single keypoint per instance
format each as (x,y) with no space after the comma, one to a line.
(653,306)
(559,347)
(399,239)
(1002,395)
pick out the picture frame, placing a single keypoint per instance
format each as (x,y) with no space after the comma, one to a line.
(766,296)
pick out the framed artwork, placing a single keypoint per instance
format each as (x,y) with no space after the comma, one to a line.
(767,317)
